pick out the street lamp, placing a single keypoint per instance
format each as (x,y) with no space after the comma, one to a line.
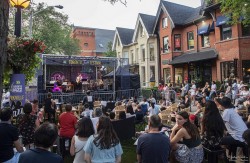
(19,4)
(33,14)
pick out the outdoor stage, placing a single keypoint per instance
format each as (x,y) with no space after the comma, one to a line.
(69,74)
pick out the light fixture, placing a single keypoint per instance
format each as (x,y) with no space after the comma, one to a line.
(20,3)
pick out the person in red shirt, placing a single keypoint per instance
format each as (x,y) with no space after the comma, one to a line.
(67,123)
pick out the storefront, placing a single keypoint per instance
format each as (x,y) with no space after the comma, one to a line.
(194,67)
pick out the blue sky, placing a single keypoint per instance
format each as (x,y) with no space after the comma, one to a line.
(101,14)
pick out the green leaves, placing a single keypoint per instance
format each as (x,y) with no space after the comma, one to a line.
(239,10)
(110,52)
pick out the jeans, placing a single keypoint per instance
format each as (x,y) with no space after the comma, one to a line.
(233,144)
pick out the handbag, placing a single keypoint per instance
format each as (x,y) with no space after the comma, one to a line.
(182,153)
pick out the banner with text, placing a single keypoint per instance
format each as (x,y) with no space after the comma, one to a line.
(17,89)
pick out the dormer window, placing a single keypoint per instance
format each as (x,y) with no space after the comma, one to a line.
(142,31)
(164,22)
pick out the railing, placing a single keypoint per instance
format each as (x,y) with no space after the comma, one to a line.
(76,97)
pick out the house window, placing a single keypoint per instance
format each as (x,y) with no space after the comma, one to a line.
(86,44)
(131,57)
(227,69)
(205,41)
(143,53)
(245,30)
(164,22)
(143,75)
(151,52)
(125,56)
(136,55)
(118,42)
(177,42)
(190,39)
(152,73)
(226,31)
(165,44)
(142,32)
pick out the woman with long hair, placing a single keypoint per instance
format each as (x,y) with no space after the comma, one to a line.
(186,135)
(212,126)
(84,130)
(105,145)
(27,124)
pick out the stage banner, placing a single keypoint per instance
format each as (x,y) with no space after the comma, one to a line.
(17,88)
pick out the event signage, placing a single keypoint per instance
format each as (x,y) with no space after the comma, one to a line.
(17,88)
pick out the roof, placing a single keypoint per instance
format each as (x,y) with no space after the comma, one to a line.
(181,14)
(194,57)
(102,38)
(148,21)
(126,35)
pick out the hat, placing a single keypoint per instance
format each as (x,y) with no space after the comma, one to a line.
(226,102)
(192,117)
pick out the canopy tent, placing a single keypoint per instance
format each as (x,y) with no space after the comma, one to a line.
(124,79)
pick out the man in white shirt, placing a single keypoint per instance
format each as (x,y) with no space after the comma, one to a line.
(235,127)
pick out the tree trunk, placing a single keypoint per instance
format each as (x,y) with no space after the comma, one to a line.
(4,17)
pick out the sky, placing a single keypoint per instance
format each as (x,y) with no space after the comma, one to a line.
(101,14)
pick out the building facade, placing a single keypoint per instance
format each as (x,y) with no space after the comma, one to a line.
(93,41)
(140,47)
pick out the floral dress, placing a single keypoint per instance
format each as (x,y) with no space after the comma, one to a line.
(27,127)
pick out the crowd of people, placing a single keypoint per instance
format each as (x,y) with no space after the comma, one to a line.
(87,133)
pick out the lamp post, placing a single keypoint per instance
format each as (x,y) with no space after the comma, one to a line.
(33,14)
(19,5)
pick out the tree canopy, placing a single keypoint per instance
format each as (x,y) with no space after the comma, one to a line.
(110,52)
(239,10)
(49,26)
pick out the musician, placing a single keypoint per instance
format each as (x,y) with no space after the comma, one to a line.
(79,78)
(79,82)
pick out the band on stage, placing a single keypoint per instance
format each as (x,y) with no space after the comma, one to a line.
(82,84)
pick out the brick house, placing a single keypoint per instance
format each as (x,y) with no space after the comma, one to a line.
(198,44)
(93,41)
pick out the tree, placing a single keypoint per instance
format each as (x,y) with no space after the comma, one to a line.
(4,16)
(110,52)
(49,26)
(239,10)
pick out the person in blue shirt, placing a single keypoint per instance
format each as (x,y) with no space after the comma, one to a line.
(105,145)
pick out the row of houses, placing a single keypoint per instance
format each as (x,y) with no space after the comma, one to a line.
(184,43)
(178,43)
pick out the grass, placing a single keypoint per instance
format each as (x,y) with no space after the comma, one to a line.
(128,156)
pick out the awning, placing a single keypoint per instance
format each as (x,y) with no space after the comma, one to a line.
(203,29)
(194,57)
(211,27)
(221,20)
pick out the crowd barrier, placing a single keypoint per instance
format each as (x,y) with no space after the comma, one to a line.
(75,97)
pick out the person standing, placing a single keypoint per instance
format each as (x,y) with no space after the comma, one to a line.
(154,146)
(48,107)
(89,99)
(8,137)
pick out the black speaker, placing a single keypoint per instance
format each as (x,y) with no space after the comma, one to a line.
(40,82)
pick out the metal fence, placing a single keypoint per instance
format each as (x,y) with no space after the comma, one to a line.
(75,97)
